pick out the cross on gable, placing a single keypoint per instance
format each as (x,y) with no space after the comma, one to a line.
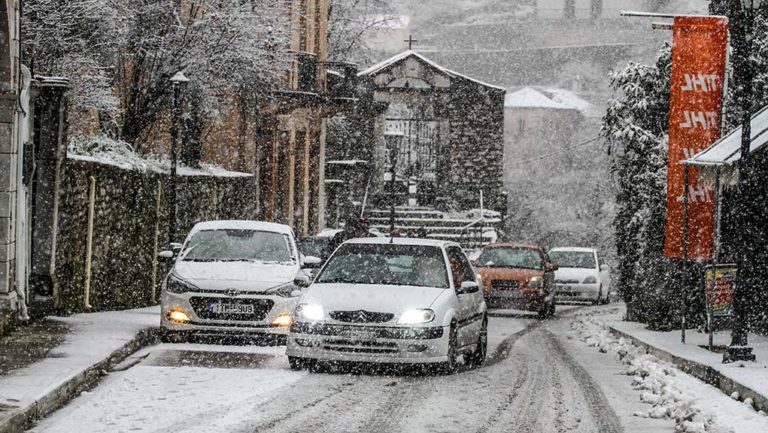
(410,41)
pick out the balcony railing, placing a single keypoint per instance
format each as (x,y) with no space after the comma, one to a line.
(332,79)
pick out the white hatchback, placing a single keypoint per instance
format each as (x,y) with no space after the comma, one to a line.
(581,275)
(391,300)
(232,277)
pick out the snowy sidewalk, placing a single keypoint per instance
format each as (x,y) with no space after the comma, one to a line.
(95,342)
(748,379)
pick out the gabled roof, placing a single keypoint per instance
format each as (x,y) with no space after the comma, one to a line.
(410,53)
(727,150)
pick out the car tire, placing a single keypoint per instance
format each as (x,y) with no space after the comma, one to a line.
(477,357)
(450,366)
(298,364)
(168,336)
(599,300)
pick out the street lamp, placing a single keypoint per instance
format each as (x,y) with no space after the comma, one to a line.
(178,81)
(739,349)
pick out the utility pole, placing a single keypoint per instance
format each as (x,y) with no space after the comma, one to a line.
(747,273)
(178,81)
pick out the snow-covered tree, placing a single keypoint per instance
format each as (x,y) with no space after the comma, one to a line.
(636,131)
(349,20)
(120,54)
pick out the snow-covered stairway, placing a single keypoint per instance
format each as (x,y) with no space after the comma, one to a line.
(462,227)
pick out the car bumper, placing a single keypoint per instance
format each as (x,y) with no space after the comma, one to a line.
(515,299)
(203,323)
(578,292)
(393,345)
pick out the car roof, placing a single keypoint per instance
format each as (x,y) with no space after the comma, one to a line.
(242,225)
(578,249)
(513,245)
(403,241)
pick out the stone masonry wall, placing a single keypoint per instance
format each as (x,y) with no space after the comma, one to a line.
(125,224)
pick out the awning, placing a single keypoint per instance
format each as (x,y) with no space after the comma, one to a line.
(727,150)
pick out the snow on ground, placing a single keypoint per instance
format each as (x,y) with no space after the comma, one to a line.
(93,337)
(693,405)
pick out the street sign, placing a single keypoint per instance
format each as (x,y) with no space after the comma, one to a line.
(720,282)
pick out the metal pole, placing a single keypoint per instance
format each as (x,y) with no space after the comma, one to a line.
(739,349)
(715,256)
(393,192)
(173,180)
(89,243)
(686,182)
(155,246)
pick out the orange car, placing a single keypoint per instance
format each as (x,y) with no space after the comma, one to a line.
(518,276)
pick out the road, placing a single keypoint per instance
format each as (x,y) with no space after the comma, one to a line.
(538,378)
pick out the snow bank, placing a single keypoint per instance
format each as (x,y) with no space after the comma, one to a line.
(654,378)
(104,150)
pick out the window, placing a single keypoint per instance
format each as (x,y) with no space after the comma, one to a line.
(511,257)
(386,264)
(461,269)
(233,245)
(574,259)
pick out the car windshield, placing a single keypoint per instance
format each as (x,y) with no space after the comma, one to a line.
(229,245)
(387,264)
(522,258)
(573,259)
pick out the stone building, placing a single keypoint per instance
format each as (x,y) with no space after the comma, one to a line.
(439,131)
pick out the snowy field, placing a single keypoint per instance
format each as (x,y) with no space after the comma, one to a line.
(541,376)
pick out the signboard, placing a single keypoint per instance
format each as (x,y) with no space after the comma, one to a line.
(720,282)
(699,56)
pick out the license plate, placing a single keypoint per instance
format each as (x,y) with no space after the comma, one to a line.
(360,335)
(222,308)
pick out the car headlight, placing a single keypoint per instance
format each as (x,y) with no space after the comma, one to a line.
(312,312)
(536,283)
(176,285)
(287,290)
(415,317)
(590,280)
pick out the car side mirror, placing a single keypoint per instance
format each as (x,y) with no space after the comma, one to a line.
(468,287)
(604,267)
(166,255)
(311,262)
(302,281)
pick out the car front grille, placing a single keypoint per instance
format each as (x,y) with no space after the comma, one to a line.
(352,346)
(202,307)
(391,333)
(361,316)
(567,281)
(505,284)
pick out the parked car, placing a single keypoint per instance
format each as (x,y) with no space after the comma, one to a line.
(391,300)
(582,275)
(232,277)
(518,276)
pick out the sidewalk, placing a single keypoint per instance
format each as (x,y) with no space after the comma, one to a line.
(748,379)
(46,365)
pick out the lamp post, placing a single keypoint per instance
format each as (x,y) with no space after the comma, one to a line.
(739,349)
(178,81)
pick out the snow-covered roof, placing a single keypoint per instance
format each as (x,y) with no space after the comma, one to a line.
(242,225)
(402,241)
(549,98)
(727,150)
(410,53)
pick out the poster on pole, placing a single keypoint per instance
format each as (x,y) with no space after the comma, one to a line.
(720,282)
(699,56)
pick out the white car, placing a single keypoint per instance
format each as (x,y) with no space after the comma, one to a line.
(582,275)
(391,300)
(232,277)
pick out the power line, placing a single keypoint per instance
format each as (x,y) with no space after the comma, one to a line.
(547,155)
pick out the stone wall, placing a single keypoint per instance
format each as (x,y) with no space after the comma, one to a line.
(125,225)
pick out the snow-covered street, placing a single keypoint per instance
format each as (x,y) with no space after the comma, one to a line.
(541,376)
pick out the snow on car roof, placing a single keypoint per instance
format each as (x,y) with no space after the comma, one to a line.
(580,249)
(242,225)
(402,241)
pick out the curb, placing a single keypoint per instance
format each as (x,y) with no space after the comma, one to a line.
(700,371)
(21,419)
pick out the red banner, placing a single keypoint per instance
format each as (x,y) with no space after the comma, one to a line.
(699,56)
